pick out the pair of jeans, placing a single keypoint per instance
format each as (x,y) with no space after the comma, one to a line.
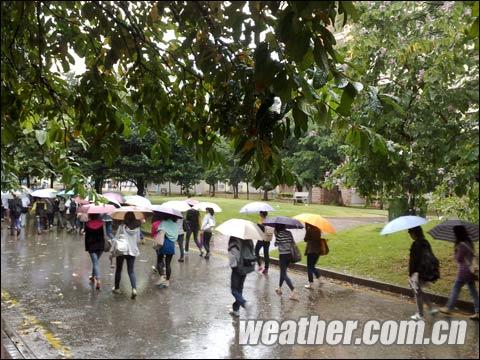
(131,274)
(95,257)
(236,285)
(195,238)
(164,260)
(42,223)
(285,260)
(61,219)
(207,236)
(266,246)
(180,245)
(456,291)
(311,262)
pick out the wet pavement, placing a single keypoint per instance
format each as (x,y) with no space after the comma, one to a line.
(48,301)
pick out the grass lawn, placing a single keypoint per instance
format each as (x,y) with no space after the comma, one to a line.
(362,251)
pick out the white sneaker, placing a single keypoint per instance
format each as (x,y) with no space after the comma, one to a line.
(433,311)
(309,286)
(416,317)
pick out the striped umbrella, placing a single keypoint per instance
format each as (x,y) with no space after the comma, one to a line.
(444,231)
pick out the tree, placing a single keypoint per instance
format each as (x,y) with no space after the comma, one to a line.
(213,176)
(419,113)
(216,77)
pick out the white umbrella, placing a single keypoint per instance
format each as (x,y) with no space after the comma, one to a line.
(44,193)
(202,206)
(119,214)
(167,210)
(7,195)
(177,205)
(255,207)
(137,200)
(403,223)
(241,228)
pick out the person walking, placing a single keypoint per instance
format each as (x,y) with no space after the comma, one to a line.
(72,206)
(312,252)
(284,241)
(39,208)
(50,212)
(463,253)
(192,220)
(129,229)
(94,245)
(166,227)
(23,216)
(239,274)
(265,244)
(420,250)
(61,212)
(181,237)
(15,206)
(208,225)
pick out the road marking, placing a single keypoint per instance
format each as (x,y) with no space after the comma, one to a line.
(32,321)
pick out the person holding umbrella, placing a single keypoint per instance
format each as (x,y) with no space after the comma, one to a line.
(165,225)
(265,244)
(94,245)
(312,252)
(129,230)
(192,221)
(420,270)
(284,241)
(208,225)
(463,254)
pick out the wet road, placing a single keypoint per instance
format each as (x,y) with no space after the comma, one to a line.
(47,299)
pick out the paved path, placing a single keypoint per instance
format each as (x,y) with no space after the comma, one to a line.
(47,300)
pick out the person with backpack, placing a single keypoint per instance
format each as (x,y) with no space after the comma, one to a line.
(206,231)
(423,268)
(313,251)
(464,255)
(192,222)
(39,208)
(242,259)
(94,245)
(125,248)
(72,206)
(284,241)
(61,212)
(50,212)
(15,206)
(265,244)
(165,226)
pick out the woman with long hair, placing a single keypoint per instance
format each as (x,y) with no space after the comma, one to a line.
(168,227)
(208,224)
(463,253)
(130,229)
(284,241)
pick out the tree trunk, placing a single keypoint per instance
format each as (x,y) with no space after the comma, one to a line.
(98,185)
(235,191)
(248,192)
(310,193)
(299,187)
(140,187)
(52,180)
(265,195)
(213,190)
(170,189)
(28,181)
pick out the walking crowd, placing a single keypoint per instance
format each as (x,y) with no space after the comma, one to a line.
(170,227)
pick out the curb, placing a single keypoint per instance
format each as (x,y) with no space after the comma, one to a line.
(13,346)
(438,299)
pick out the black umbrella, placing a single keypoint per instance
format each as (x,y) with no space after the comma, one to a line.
(283,220)
(444,231)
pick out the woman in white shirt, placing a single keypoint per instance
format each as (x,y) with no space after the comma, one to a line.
(131,230)
(208,224)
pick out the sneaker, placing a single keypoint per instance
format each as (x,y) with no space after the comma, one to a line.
(117,291)
(134,293)
(445,310)
(265,272)
(309,286)
(474,317)
(207,256)
(97,286)
(293,296)
(235,313)
(416,317)
(181,259)
(279,291)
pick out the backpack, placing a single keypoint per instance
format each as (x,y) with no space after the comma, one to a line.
(73,207)
(61,205)
(429,267)
(120,244)
(248,259)
(16,206)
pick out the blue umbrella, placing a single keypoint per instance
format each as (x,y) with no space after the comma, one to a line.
(283,220)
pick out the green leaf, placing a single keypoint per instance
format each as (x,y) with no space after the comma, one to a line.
(350,9)
(41,136)
(346,101)
(392,103)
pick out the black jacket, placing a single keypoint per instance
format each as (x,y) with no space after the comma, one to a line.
(94,238)
(417,251)
(192,219)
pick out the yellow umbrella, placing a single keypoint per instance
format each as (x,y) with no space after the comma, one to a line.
(316,220)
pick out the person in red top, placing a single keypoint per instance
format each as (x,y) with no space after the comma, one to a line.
(94,245)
